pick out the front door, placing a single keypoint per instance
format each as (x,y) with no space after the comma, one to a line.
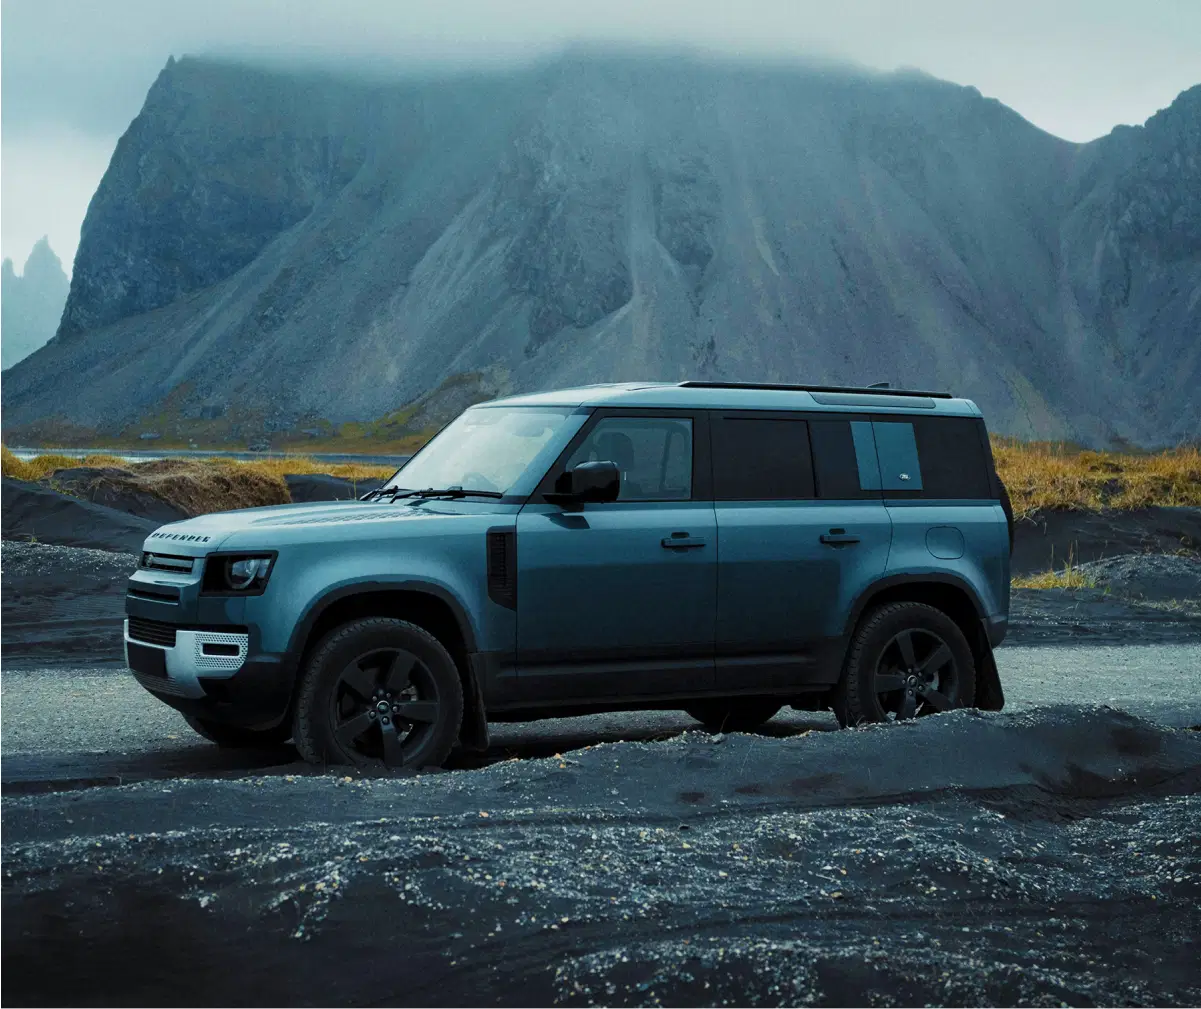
(618,599)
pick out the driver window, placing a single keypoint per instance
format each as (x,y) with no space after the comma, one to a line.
(654,455)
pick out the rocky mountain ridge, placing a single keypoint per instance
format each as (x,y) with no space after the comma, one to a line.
(306,246)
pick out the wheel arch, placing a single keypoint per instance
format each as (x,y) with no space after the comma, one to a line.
(425,604)
(955,597)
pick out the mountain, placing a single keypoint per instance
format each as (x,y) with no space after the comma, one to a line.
(31,304)
(287,248)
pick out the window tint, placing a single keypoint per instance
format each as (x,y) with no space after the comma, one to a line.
(654,455)
(844,459)
(953,459)
(761,459)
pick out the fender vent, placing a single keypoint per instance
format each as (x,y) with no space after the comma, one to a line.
(502,567)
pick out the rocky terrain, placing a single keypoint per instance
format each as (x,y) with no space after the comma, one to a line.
(602,217)
(31,304)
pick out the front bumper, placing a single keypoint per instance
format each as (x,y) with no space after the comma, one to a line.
(213,674)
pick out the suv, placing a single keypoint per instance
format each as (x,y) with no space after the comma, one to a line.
(725,549)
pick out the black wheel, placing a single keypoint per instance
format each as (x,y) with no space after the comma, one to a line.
(379,692)
(905,660)
(235,738)
(733,714)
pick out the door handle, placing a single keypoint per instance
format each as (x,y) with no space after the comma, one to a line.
(682,541)
(838,539)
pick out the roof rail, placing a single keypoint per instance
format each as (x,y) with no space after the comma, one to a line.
(816,388)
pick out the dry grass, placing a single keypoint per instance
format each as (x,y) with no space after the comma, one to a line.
(1067,577)
(198,487)
(43,465)
(1042,476)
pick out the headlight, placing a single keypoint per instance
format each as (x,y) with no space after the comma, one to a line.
(243,574)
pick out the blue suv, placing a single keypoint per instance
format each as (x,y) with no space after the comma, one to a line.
(720,548)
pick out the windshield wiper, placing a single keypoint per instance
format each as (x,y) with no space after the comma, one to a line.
(395,493)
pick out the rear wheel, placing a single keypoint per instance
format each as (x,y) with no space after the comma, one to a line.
(734,714)
(905,660)
(379,692)
(236,738)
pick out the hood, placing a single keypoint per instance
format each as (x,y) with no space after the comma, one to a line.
(264,528)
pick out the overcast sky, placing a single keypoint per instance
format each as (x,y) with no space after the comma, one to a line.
(74,72)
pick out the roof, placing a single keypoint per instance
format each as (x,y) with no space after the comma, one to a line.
(746,396)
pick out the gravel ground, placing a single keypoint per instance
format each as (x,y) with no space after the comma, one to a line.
(965,859)
(1006,858)
(1161,578)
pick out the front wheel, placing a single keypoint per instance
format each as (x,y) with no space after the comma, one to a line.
(905,660)
(379,692)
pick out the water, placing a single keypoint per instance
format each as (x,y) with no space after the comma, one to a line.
(149,455)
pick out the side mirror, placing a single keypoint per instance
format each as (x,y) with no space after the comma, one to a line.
(588,482)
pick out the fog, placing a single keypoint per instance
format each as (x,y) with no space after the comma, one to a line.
(74,74)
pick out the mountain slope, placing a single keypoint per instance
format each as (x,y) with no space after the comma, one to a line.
(295,246)
(31,303)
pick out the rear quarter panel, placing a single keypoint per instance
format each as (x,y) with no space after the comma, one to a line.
(920,534)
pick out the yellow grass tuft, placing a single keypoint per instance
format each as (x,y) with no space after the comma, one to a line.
(1043,475)
(44,465)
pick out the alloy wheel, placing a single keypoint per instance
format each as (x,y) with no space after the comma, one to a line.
(916,674)
(384,703)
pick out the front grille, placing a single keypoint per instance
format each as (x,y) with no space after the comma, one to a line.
(153,632)
(167,562)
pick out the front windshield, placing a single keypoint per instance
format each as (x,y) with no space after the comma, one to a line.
(483,449)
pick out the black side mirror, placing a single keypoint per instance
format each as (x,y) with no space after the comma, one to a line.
(588,482)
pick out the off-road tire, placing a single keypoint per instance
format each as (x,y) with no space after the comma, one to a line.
(234,737)
(313,731)
(855,698)
(735,714)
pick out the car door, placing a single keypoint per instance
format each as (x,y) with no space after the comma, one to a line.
(618,598)
(802,529)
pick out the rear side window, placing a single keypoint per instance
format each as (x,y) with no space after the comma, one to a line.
(761,459)
(933,457)
(953,457)
(844,459)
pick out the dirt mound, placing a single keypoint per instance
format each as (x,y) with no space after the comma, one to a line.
(1051,538)
(1154,577)
(36,513)
(963,859)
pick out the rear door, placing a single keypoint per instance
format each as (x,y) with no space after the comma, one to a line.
(802,530)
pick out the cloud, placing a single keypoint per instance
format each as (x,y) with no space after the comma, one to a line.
(74,69)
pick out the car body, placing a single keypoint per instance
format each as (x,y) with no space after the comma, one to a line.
(708,546)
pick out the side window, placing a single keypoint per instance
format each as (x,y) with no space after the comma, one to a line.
(844,458)
(952,451)
(654,455)
(761,459)
(896,447)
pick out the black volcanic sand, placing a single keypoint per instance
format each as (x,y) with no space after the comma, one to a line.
(1052,538)
(1044,858)
(30,511)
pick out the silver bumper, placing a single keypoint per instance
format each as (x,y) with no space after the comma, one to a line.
(192,657)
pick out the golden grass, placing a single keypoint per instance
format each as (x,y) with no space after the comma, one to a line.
(200,486)
(44,465)
(1042,476)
